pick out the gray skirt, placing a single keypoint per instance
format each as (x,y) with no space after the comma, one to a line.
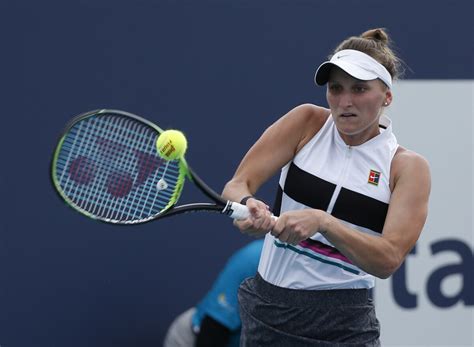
(275,316)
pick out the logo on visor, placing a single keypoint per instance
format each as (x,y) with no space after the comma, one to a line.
(374,177)
(339,56)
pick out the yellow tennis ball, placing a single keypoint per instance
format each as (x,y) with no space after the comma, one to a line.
(171,144)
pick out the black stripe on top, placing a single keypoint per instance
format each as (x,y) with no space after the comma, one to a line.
(277,203)
(350,206)
(360,210)
(308,189)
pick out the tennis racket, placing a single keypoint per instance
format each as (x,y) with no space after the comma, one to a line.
(106,166)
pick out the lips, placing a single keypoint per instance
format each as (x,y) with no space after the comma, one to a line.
(347,115)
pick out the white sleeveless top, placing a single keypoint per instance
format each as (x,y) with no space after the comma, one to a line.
(349,182)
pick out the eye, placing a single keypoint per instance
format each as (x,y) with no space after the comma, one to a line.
(360,88)
(335,88)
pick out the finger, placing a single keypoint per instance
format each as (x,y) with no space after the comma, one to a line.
(256,233)
(255,206)
(278,226)
(284,236)
(259,223)
(264,221)
(251,226)
(244,224)
(293,241)
(291,236)
(268,223)
(275,231)
(254,211)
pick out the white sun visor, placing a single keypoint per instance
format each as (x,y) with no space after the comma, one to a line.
(357,64)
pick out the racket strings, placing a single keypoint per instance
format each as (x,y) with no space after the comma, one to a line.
(161,203)
(86,196)
(129,210)
(108,167)
(98,149)
(91,196)
(119,182)
(110,153)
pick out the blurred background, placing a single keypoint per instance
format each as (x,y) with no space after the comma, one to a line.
(221,71)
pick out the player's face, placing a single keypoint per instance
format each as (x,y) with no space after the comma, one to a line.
(356,105)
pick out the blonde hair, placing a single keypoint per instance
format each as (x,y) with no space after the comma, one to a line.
(377,44)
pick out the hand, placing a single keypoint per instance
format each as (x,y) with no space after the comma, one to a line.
(260,221)
(295,226)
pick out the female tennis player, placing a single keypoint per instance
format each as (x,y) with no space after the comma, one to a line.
(352,203)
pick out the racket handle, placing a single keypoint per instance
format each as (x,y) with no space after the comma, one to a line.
(238,211)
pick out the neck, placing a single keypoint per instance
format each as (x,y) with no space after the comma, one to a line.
(362,136)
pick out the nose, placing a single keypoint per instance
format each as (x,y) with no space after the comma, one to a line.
(345,100)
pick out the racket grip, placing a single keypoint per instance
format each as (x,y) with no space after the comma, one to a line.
(237,211)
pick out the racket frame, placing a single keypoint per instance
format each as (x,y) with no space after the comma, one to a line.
(219,205)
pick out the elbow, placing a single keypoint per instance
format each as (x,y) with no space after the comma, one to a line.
(389,260)
(387,268)
(383,274)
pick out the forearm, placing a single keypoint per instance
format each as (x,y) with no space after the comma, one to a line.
(276,147)
(235,190)
(373,254)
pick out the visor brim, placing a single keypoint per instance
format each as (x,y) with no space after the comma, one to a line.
(322,73)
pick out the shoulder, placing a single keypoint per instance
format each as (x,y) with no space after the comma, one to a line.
(285,137)
(309,119)
(406,159)
(409,165)
(309,114)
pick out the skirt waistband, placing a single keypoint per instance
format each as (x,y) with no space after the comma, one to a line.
(303,298)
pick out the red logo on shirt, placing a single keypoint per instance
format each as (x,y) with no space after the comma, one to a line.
(374,177)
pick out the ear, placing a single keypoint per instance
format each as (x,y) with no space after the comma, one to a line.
(388,98)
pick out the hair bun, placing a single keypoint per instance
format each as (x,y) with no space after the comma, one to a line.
(378,34)
(377,44)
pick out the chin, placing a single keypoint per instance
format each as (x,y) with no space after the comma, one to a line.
(348,129)
(349,133)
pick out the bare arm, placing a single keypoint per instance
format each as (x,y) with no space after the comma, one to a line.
(276,147)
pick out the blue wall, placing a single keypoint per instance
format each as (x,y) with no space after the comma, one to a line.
(219,70)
